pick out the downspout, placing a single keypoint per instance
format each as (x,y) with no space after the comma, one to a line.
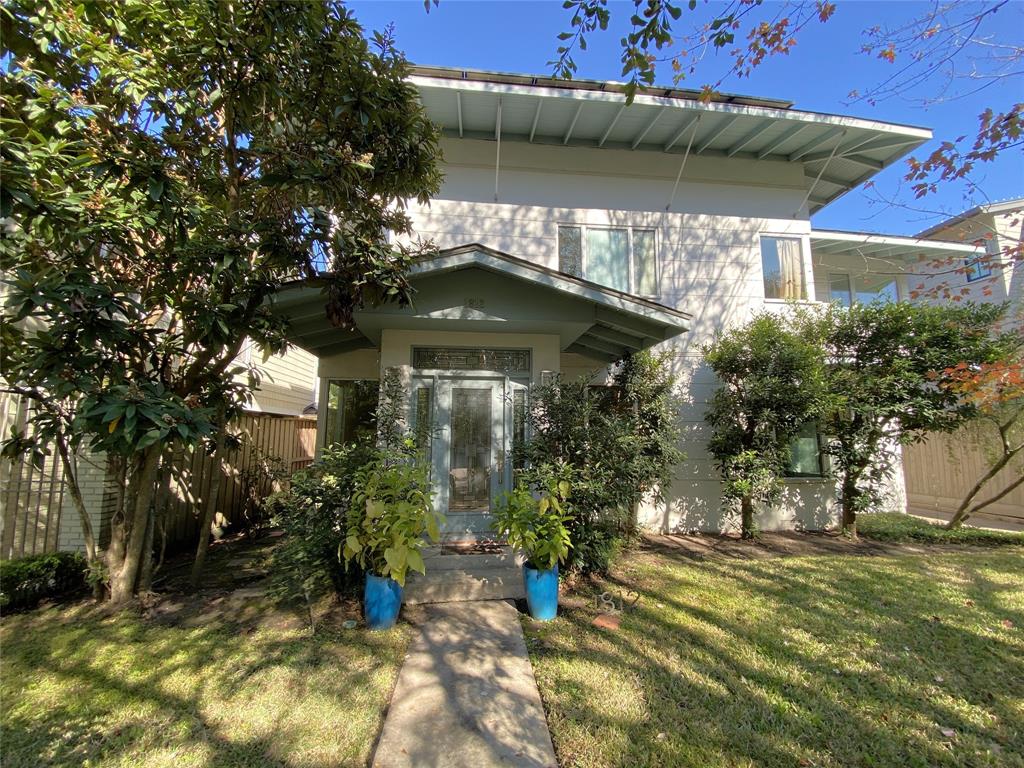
(497,154)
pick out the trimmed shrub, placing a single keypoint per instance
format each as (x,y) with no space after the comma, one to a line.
(27,580)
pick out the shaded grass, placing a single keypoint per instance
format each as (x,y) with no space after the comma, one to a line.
(81,688)
(906,528)
(913,660)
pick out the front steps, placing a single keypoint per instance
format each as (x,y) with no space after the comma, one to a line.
(491,573)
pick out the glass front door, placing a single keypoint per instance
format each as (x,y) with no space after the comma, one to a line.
(470,455)
(466,424)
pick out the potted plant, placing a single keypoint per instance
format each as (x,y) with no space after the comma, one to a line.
(390,514)
(536,525)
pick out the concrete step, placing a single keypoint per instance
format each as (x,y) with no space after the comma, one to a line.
(445,559)
(450,585)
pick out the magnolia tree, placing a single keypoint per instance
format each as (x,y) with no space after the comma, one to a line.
(166,166)
(890,376)
(772,384)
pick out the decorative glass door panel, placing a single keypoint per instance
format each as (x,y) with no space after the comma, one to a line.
(467,425)
(470,458)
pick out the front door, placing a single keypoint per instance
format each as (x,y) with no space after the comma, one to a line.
(472,419)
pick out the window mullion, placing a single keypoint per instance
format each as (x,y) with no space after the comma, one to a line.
(629,259)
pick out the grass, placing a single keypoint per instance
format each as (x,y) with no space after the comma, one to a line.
(828,661)
(80,688)
(905,529)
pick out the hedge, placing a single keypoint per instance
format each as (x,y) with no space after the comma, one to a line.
(27,580)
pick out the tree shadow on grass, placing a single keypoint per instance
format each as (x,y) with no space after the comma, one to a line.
(832,661)
(119,690)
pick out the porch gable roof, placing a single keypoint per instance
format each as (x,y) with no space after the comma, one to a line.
(476,288)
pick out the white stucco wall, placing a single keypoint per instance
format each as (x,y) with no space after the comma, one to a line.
(709,265)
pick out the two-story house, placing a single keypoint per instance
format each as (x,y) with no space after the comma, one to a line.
(574,228)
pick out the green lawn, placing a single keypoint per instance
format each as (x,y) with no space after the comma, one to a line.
(905,528)
(909,660)
(78,688)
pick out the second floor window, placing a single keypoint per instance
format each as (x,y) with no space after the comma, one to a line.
(782,264)
(864,289)
(623,258)
(978,269)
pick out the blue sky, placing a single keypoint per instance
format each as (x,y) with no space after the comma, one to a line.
(817,75)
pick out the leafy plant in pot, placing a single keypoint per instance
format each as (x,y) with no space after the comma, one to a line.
(533,518)
(390,514)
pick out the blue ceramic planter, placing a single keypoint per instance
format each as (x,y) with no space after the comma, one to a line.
(382,600)
(541,592)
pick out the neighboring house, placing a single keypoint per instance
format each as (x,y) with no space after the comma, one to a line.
(288,382)
(940,471)
(998,228)
(572,229)
(36,515)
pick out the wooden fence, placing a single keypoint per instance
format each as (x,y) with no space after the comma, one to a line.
(268,450)
(940,472)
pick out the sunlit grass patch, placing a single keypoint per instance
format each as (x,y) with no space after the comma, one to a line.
(907,528)
(914,660)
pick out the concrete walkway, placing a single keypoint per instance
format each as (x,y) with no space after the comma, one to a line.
(466,695)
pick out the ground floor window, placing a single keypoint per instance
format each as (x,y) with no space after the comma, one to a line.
(805,458)
(351,409)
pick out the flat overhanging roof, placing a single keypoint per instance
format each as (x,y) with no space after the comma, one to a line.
(476,288)
(838,153)
(834,243)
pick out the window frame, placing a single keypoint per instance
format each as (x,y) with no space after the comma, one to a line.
(853,277)
(849,288)
(323,440)
(807,280)
(823,468)
(631,266)
(974,269)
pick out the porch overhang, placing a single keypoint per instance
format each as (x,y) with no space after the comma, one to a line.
(893,247)
(476,288)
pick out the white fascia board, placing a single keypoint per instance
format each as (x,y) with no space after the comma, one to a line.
(901,246)
(792,116)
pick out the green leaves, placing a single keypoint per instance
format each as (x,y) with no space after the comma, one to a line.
(389,513)
(538,527)
(772,383)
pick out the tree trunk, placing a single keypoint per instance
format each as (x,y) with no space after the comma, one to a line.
(138,511)
(203,545)
(71,483)
(850,493)
(965,509)
(114,555)
(747,518)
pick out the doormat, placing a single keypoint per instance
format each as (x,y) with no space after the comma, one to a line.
(479,547)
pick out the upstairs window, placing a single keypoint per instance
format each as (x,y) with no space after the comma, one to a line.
(623,258)
(864,289)
(782,265)
(839,290)
(978,269)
